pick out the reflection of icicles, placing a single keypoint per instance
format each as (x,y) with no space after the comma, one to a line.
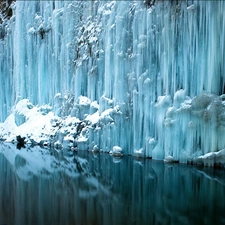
(107,189)
(37,161)
(191,7)
(117,159)
(91,187)
(220,178)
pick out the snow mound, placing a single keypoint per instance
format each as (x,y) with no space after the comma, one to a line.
(211,159)
(117,151)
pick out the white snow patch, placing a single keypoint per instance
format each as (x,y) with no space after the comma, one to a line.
(82,100)
(169,159)
(94,118)
(117,151)
(139,153)
(211,158)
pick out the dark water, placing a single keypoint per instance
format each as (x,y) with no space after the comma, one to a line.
(42,187)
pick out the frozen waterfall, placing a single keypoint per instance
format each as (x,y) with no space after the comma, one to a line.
(117,74)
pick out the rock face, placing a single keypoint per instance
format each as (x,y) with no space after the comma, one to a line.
(147,77)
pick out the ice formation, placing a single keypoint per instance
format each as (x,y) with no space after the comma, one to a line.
(100,74)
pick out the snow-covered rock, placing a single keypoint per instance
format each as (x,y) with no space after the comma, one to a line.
(117,151)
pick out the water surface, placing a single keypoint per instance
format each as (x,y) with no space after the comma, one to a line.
(40,186)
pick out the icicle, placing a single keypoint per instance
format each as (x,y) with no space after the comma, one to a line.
(160,70)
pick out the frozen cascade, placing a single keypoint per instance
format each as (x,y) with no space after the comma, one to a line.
(149,80)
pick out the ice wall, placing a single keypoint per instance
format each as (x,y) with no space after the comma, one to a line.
(161,69)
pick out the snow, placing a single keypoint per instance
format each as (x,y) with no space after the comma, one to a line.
(81,74)
(169,159)
(191,7)
(117,151)
(82,100)
(33,123)
(139,153)
(94,118)
(211,158)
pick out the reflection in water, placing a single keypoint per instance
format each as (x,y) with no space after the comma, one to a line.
(42,187)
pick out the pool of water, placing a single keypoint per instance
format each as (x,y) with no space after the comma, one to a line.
(41,186)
